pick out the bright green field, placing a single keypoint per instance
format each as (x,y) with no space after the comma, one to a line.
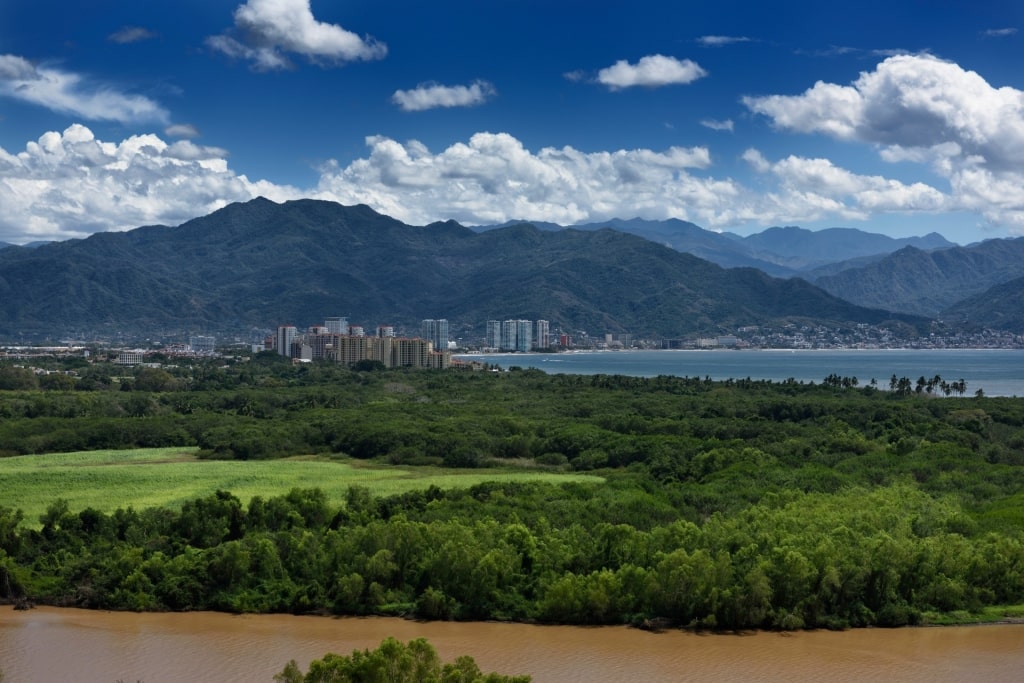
(107,480)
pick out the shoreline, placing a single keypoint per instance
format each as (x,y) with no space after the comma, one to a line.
(655,627)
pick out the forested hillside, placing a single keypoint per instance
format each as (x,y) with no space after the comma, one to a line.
(734,504)
(927,282)
(261,264)
(999,307)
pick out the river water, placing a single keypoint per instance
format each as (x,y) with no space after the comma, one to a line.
(48,645)
(998,372)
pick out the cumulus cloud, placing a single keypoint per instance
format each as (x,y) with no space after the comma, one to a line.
(70,184)
(131,34)
(719,41)
(910,102)
(494,178)
(922,109)
(432,96)
(727,124)
(71,93)
(651,71)
(821,183)
(266,31)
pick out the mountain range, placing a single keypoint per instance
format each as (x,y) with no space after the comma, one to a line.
(261,264)
(927,276)
(780,252)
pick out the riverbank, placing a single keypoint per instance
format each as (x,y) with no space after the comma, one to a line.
(997,615)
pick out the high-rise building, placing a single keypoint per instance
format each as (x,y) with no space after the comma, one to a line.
(508,335)
(285,336)
(413,353)
(337,325)
(202,344)
(492,338)
(524,335)
(385,331)
(324,346)
(436,331)
(543,339)
(390,350)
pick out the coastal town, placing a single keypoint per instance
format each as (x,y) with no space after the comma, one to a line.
(436,343)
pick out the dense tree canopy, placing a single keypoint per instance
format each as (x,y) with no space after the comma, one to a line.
(736,504)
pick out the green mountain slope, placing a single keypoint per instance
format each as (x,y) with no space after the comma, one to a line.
(1000,307)
(924,283)
(262,264)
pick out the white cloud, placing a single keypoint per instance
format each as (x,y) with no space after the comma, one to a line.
(181,130)
(493,178)
(920,109)
(719,41)
(1000,32)
(186,150)
(131,34)
(70,93)
(860,194)
(71,185)
(910,102)
(267,30)
(727,124)
(432,96)
(810,190)
(15,68)
(650,71)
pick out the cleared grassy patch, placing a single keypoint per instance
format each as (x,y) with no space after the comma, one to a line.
(154,477)
(994,614)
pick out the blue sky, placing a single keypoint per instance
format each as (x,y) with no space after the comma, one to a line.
(899,117)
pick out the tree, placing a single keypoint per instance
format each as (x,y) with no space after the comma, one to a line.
(392,662)
(154,379)
(17,379)
(57,381)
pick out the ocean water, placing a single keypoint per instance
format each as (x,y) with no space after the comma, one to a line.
(998,372)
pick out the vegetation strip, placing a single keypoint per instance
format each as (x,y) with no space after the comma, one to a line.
(724,505)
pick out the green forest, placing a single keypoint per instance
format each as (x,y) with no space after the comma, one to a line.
(718,505)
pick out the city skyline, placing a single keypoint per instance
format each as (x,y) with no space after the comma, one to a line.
(893,117)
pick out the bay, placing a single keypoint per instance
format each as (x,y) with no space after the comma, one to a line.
(998,372)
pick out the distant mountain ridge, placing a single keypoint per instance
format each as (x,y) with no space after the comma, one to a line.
(780,251)
(29,245)
(804,249)
(260,264)
(928,282)
(927,276)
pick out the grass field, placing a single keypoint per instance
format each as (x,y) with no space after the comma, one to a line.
(107,480)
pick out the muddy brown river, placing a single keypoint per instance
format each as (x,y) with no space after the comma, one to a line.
(49,645)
